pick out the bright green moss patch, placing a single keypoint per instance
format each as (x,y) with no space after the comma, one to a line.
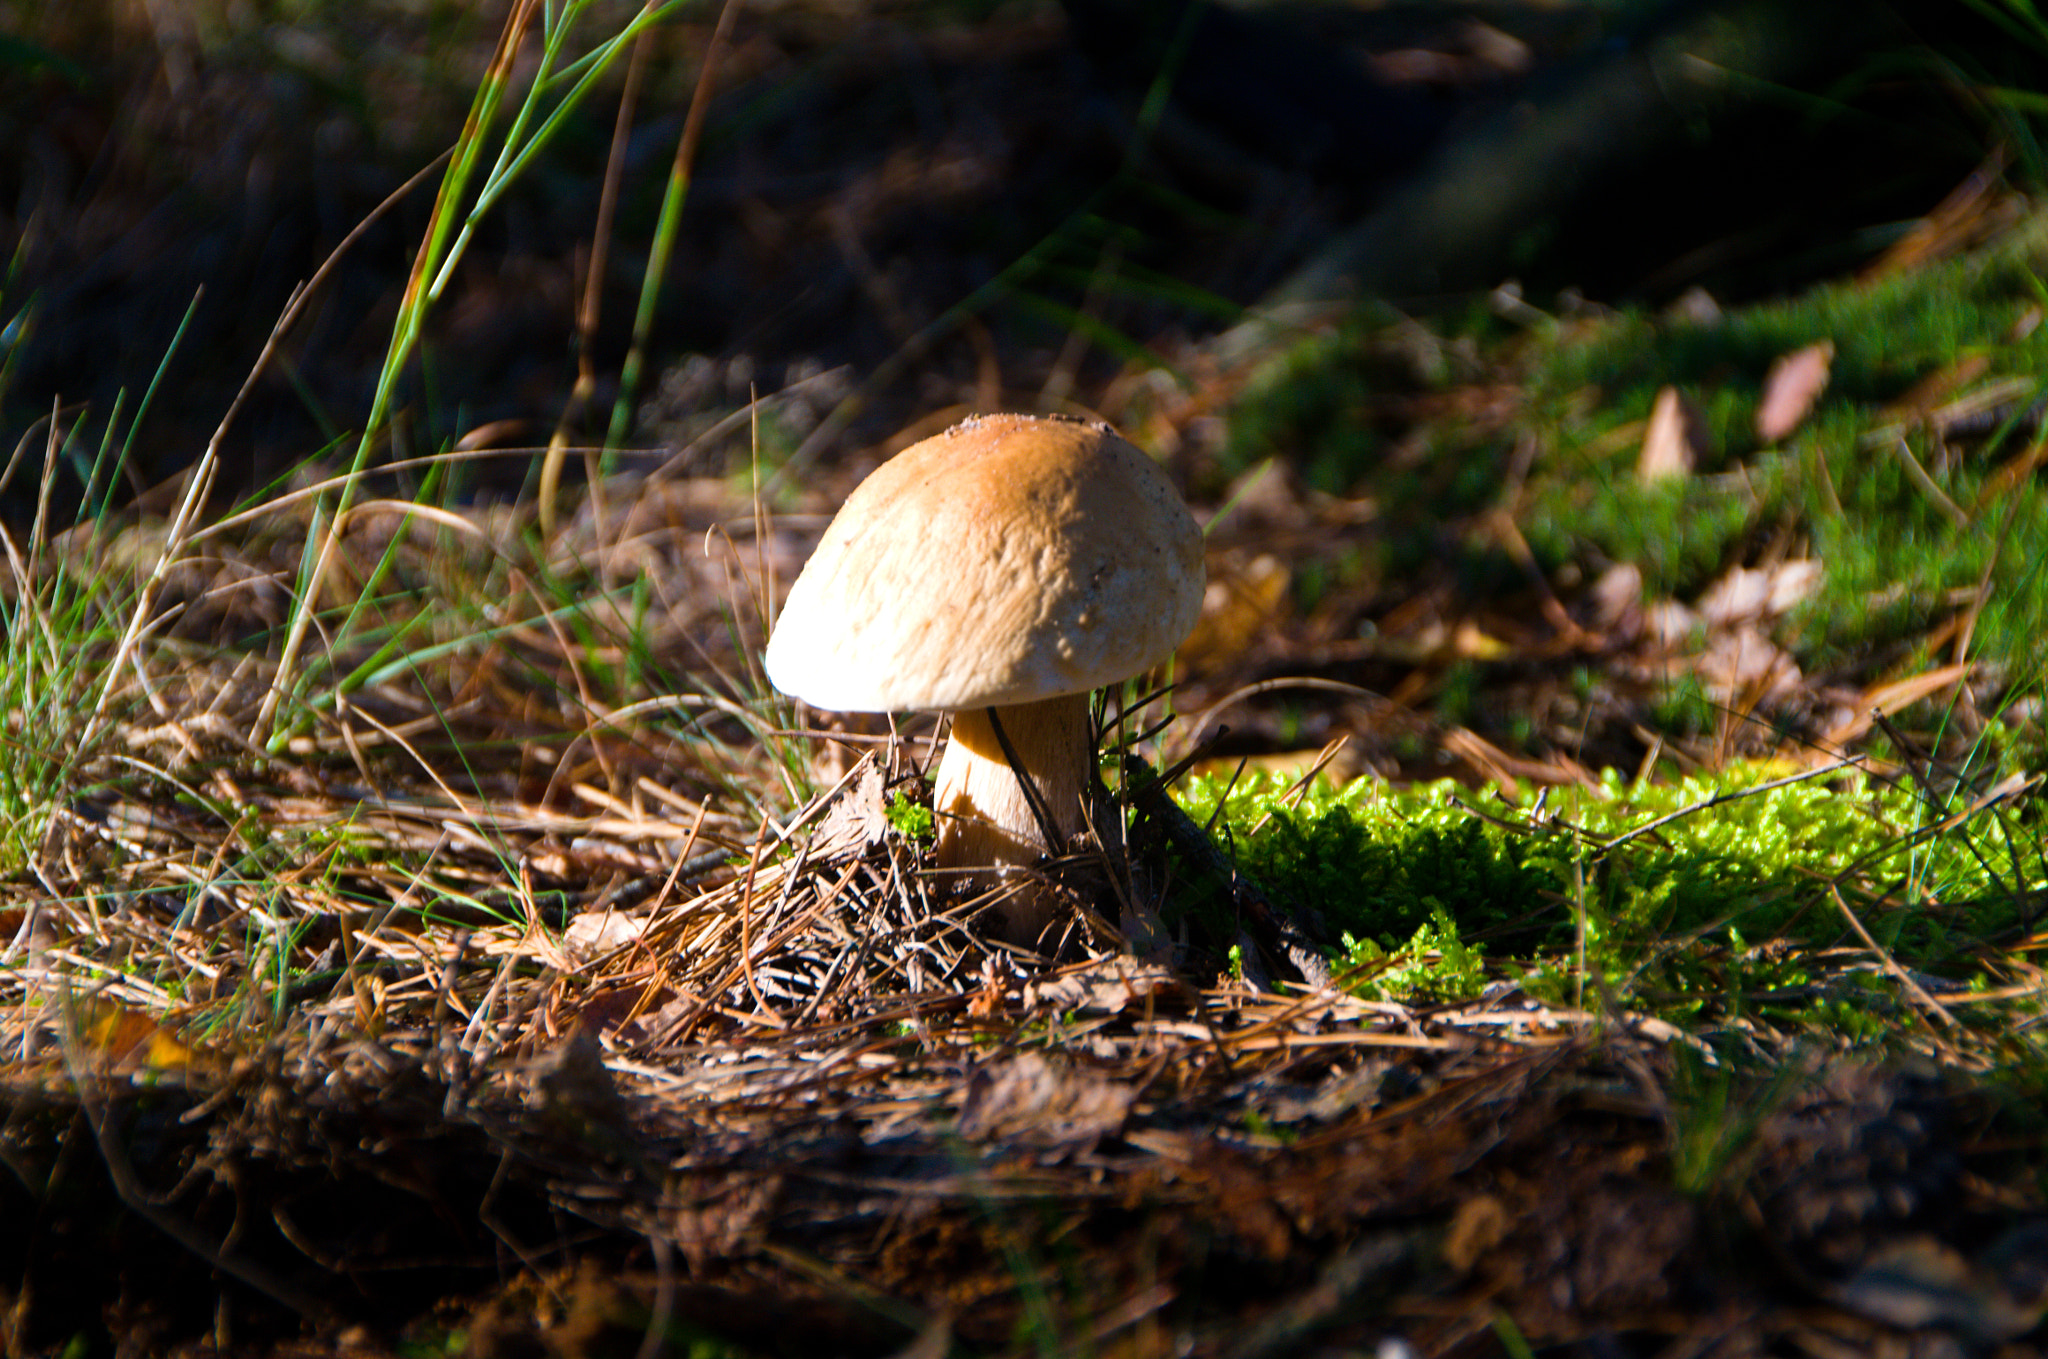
(1434,963)
(1740,906)
(911,820)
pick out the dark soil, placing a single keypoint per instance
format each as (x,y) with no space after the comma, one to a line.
(1075,1200)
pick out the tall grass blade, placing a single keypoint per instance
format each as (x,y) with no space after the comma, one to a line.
(149,394)
(587,307)
(321,540)
(449,233)
(667,226)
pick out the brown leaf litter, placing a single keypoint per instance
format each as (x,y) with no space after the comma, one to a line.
(806,1108)
(796,1196)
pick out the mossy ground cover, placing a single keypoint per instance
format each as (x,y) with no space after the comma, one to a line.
(1493,462)
(1587,385)
(1840,488)
(1703,901)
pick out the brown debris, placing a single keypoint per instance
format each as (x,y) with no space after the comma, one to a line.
(1791,388)
(1676,440)
(843,1121)
(1031,1101)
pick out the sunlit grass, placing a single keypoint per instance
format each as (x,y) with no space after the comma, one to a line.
(57,632)
(540,103)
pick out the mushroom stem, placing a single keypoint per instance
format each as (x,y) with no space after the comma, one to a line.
(985,816)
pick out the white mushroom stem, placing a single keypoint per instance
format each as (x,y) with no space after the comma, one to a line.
(985,817)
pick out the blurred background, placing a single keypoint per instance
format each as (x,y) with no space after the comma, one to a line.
(1067,189)
(1403,284)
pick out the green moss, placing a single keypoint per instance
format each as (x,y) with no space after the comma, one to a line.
(911,820)
(1435,964)
(1890,549)
(1721,908)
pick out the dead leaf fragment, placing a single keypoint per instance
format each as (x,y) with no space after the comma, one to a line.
(1670,624)
(1741,666)
(1745,596)
(594,934)
(1794,383)
(1105,987)
(124,1040)
(857,819)
(1617,599)
(1243,598)
(1675,441)
(1030,1099)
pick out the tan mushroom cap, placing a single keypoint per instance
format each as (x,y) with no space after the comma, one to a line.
(1008,560)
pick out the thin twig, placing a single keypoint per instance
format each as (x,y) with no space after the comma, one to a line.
(1852,762)
(1055,843)
(1890,965)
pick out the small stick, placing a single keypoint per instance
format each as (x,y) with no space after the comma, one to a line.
(1718,798)
(1278,919)
(1891,966)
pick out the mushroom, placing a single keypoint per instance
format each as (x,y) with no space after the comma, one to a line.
(999,572)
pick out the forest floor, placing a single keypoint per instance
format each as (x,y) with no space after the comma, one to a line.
(1593,903)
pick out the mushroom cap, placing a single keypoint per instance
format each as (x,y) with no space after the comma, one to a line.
(1008,560)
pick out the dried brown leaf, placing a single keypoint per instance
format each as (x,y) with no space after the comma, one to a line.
(1676,440)
(1107,986)
(1741,664)
(127,1040)
(1617,598)
(1744,595)
(594,934)
(857,819)
(1794,383)
(1030,1099)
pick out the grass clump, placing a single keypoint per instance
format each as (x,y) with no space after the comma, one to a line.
(57,624)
